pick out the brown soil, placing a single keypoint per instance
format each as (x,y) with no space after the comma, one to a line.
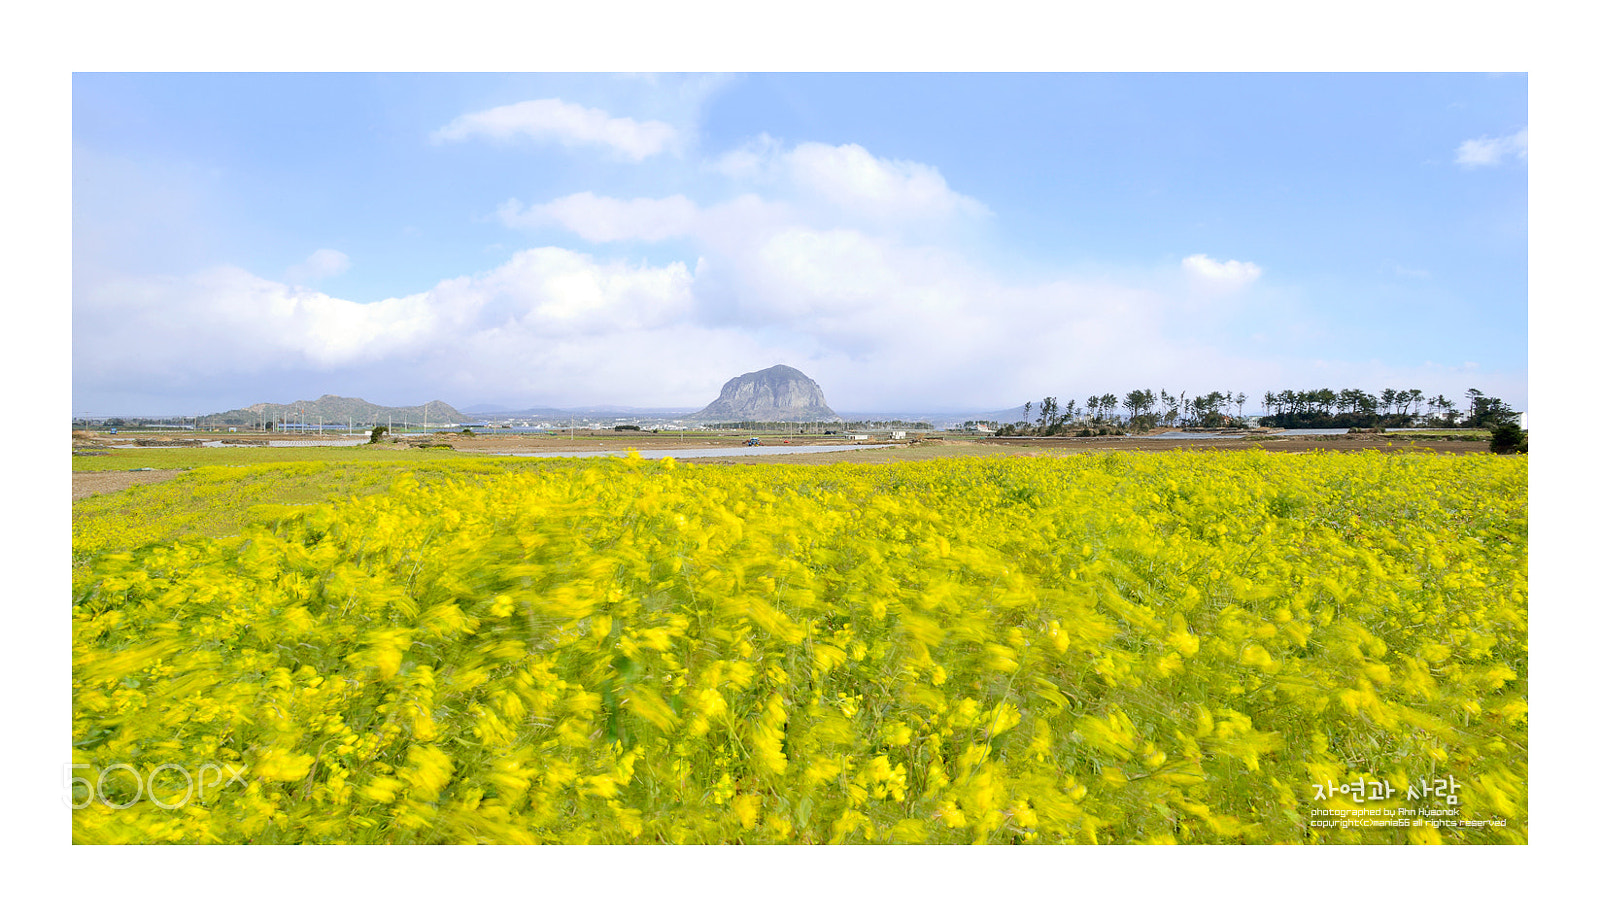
(87,483)
(1285,442)
(606,441)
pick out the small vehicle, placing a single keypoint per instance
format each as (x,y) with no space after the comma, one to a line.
(753,441)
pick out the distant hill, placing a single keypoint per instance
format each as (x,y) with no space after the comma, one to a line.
(335,409)
(778,393)
(940,419)
(491,412)
(585,413)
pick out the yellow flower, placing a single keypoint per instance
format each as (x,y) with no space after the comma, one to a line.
(427,770)
(280,765)
(747,808)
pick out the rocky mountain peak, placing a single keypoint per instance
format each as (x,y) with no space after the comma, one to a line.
(778,393)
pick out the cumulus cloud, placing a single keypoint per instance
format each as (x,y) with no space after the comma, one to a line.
(602,219)
(553,292)
(852,180)
(1221,275)
(225,320)
(566,123)
(236,320)
(815,193)
(831,276)
(830,269)
(881,324)
(1490,151)
(877,321)
(751,161)
(323,263)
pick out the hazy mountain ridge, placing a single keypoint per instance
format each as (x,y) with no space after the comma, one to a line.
(337,409)
(778,393)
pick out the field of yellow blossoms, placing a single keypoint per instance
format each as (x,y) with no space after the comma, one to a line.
(1119,648)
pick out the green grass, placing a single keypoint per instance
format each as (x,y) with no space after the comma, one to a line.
(219,501)
(1460,434)
(192,457)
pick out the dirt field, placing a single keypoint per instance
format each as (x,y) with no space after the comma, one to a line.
(607,440)
(87,483)
(602,441)
(1282,443)
(1007,446)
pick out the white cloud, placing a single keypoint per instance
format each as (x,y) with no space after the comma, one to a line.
(815,187)
(852,181)
(603,219)
(1221,275)
(1489,151)
(225,320)
(553,292)
(567,123)
(879,323)
(678,98)
(322,263)
(751,161)
(856,180)
(830,277)
(236,320)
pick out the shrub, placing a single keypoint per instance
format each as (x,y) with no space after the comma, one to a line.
(1509,438)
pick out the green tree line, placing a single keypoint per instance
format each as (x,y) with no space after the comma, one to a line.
(1143,409)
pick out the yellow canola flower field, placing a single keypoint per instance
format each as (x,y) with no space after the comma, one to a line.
(1120,648)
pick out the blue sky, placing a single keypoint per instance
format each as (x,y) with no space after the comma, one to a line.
(960,242)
